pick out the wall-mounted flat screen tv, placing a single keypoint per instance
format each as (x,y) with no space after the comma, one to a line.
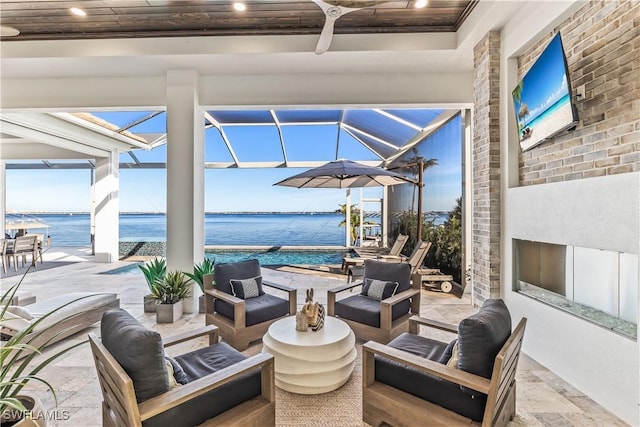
(542,99)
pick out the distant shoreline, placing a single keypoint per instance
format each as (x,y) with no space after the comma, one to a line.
(164,213)
(368,213)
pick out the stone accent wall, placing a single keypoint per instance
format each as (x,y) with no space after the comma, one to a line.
(486,169)
(602,45)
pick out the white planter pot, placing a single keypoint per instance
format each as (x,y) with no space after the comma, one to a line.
(168,313)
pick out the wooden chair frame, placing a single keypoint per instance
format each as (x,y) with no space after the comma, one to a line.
(389,329)
(235,332)
(119,407)
(385,404)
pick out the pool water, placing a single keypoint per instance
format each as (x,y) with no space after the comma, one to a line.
(265,257)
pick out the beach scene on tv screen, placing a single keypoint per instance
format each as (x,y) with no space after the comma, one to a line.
(542,99)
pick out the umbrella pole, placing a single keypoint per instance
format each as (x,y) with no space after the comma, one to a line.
(420,185)
(348,219)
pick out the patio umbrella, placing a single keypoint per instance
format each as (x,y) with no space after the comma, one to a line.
(344,174)
(24,225)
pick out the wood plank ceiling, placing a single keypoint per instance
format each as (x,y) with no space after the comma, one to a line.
(52,20)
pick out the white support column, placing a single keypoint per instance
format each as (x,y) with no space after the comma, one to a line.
(384,217)
(106,208)
(3,196)
(185,176)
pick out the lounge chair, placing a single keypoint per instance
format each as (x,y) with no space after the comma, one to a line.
(395,250)
(72,313)
(415,260)
(375,253)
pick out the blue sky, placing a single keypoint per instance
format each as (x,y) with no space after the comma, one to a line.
(227,190)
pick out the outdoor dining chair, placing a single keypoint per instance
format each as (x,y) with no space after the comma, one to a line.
(4,243)
(23,246)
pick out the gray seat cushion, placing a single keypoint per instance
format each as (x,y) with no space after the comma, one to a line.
(198,364)
(366,310)
(138,350)
(389,271)
(427,387)
(481,335)
(257,310)
(224,272)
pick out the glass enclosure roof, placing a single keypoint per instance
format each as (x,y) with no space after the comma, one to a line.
(274,138)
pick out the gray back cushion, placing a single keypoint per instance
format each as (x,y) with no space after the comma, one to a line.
(234,270)
(481,336)
(138,350)
(389,271)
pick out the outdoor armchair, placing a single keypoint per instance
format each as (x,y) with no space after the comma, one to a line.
(470,380)
(380,312)
(213,385)
(238,304)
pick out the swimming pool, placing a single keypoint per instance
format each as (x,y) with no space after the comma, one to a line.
(265,257)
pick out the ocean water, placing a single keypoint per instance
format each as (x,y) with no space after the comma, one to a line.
(251,229)
(237,229)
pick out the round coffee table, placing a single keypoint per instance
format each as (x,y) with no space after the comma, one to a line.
(311,362)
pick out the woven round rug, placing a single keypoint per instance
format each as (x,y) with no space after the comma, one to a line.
(338,408)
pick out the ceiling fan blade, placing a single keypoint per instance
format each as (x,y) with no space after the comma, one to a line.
(334,9)
(326,35)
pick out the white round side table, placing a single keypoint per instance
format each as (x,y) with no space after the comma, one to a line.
(311,362)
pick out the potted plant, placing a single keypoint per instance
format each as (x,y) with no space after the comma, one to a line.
(153,270)
(169,293)
(20,368)
(201,270)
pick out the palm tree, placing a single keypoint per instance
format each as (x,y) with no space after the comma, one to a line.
(415,166)
(354,219)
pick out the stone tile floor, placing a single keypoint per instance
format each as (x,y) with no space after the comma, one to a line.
(543,399)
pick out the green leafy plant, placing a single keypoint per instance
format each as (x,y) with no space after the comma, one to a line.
(200,270)
(354,220)
(170,289)
(154,270)
(17,354)
(446,239)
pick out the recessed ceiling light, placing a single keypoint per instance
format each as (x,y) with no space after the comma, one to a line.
(7,31)
(240,7)
(77,11)
(419,4)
